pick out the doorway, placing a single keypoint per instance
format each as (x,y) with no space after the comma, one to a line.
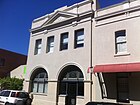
(71,94)
(71,84)
(122,87)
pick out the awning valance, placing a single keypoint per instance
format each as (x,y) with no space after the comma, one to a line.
(128,67)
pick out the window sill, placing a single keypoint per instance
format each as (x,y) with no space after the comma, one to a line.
(62,95)
(81,97)
(42,94)
(121,54)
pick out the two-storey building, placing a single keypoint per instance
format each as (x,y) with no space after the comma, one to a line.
(117,54)
(60,55)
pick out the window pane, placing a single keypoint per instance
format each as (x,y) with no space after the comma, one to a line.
(73,74)
(63,88)
(45,87)
(6,93)
(122,47)
(40,87)
(121,39)
(35,87)
(13,94)
(81,89)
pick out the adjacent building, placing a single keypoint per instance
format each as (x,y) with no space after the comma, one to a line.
(82,53)
(117,53)
(10,61)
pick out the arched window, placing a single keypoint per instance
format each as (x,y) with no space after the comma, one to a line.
(72,75)
(39,81)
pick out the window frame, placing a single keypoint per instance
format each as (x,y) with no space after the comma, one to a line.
(38,80)
(64,45)
(122,43)
(76,40)
(49,46)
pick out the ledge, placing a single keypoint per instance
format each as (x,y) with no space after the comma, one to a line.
(121,54)
(42,94)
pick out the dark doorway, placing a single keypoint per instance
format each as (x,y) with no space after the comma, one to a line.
(122,87)
(71,95)
(71,84)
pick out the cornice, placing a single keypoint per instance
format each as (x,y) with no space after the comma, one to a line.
(112,14)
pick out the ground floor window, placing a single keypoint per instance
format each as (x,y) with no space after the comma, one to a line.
(39,81)
(72,78)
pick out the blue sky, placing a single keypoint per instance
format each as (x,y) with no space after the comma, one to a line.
(16,17)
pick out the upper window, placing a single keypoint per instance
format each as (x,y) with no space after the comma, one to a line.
(50,44)
(40,81)
(121,45)
(64,41)
(79,38)
(38,46)
(2,62)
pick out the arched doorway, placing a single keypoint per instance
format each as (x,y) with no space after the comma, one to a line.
(71,84)
(39,81)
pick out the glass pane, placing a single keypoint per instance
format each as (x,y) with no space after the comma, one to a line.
(51,49)
(73,74)
(13,94)
(6,93)
(65,40)
(121,39)
(81,75)
(80,37)
(35,87)
(40,87)
(39,51)
(63,88)
(80,42)
(39,45)
(122,47)
(81,89)
(46,88)
(41,75)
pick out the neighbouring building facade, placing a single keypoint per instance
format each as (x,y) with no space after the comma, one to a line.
(117,56)
(10,61)
(81,53)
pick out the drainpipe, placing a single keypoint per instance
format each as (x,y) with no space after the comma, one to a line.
(91,66)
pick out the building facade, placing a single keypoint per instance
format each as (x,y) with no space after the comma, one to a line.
(117,61)
(80,53)
(10,61)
